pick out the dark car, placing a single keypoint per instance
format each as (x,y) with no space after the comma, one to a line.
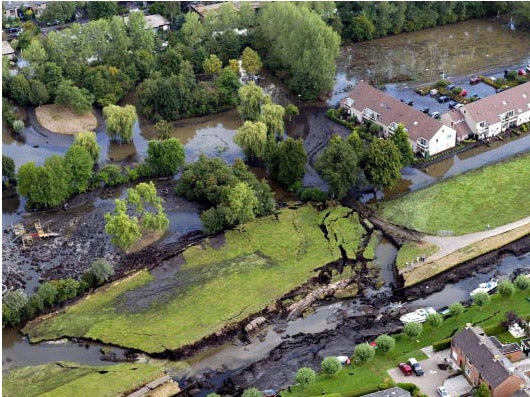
(435,115)
(451,87)
(452,104)
(405,368)
(425,110)
(443,99)
(416,367)
(410,103)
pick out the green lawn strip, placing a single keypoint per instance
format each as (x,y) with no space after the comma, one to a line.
(344,229)
(493,195)
(244,276)
(372,376)
(410,251)
(71,379)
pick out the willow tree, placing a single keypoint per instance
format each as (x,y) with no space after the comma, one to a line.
(120,122)
(272,117)
(251,61)
(252,138)
(251,97)
(88,141)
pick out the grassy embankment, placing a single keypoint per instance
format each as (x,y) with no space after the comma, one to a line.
(71,379)
(215,287)
(494,195)
(410,250)
(355,380)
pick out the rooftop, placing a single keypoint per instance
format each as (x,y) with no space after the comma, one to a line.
(392,392)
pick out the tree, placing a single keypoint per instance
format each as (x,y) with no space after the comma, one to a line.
(413,330)
(361,28)
(227,85)
(165,157)
(163,129)
(8,170)
(120,122)
(19,89)
(34,53)
(338,165)
(250,61)
(522,282)
(193,31)
(18,126)
(401,140)
(148,215)
(385,343)
(357,143)
(212,65)
(233,64)
(12,303)
(102,9)
(272,117)
(252,392)
(251,98)
(480,298)
(213,220)
(38,93)
(305,376)
(67,288)
(88,141)
(102,270)
(456,309)
(331,366)
(287,161)
(363,352)
(252,138)
(505,288)
(51,75)
(291,110)
(78,99)
(241,203)
(79,165)
(482,391)
(142,39)
(434,320)
(59,10)
(297,40)
(382,163)
(48,293)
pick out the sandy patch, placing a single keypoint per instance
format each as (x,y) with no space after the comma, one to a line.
(146,240)
(62,120)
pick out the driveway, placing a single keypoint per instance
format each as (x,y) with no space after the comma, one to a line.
(433,377)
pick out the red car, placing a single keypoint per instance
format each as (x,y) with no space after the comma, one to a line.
(405,368)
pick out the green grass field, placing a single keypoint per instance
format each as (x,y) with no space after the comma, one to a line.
(356,380)
(214,288)
(64,379)
(494,195)
(410,251)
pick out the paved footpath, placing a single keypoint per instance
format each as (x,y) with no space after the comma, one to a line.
(449,244)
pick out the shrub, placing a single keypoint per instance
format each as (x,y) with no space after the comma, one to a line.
(385,343)
(434,320)
(364,352)
(506,288)
(481,298)
(457,90)
(413,330)
(18,126)
(102,270)
(442,84)
(67,288)
(522,282)
(524,127)
(313,194)
(252,392)
(441,344)
(456,309)
(48,293)
(110,175)
(305,376)
(331,366)
(12,304)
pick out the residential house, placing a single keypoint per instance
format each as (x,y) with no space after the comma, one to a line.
(392,392)
(15,9)
(456,120)
(7,50)
(427,136)
(205,7)
(154,22)
(483,362)
(492,115)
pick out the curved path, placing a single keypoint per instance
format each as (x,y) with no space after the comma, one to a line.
(449,245)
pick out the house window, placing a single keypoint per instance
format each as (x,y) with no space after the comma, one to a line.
(467,371)
(483,124)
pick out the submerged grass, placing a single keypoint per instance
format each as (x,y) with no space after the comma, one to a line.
(70,379)
(215,287)
(356,380)
(494,196)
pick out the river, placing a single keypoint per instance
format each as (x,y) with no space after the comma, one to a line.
(456,51)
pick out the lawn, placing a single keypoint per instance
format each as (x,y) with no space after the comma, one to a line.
(70,379)
(494,196)
(410,251)
(355,380)
(215,287)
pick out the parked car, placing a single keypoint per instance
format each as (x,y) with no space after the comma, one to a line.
(463,93)
(425,110)
(416,367)
(443,99)
(442,392)
(435,115)
(451,87)
(410,103)
(405,368)
(452,104)
(474,80)
(475,97)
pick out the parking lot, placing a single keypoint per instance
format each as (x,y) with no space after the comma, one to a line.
(433,377)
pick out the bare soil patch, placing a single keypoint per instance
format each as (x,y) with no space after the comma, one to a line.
(145,241)
(63,120)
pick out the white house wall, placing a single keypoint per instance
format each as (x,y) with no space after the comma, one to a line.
(444,139)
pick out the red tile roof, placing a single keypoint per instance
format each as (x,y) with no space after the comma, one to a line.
(455,120)
(418,124)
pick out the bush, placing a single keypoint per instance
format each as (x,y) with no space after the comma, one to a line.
(434,320)
(522,282)
(413,330)
(48,293)
(441,344)
(457,90)
(506,288)
(305,376)
(331,366)
(481,298)
(364,352)
(102,270)
(385,343)
(456,309)
(18,126)
(313,194)
(67,289)
(110,175)
(252,392)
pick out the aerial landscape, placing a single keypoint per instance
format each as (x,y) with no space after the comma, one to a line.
(265,199)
